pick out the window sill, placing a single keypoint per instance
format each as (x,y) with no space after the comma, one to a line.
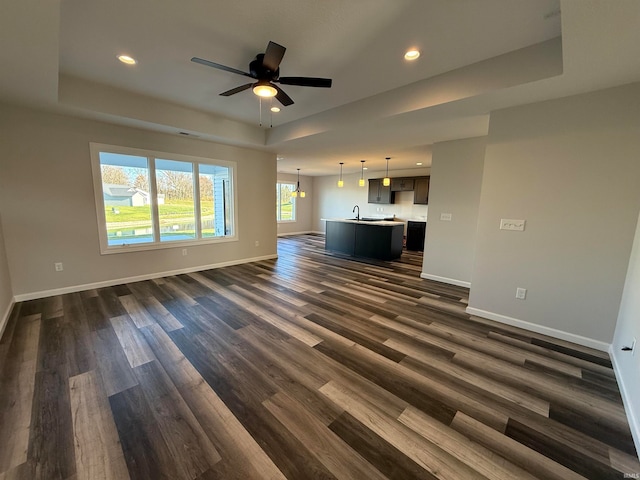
(163,246)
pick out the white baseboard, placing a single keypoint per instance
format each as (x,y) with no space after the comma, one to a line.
(452,281)
(118,281)
(4,319)
(552,332)
(630,406)
(285,234)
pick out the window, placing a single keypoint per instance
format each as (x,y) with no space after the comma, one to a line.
(148,200)
(285,203)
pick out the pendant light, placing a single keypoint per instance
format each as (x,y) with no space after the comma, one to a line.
(297,191)
(386,181)
(340,182)
(361,181)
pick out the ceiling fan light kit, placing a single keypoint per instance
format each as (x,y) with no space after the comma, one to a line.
(262,89)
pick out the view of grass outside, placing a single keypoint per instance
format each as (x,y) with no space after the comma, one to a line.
(128,214)
(285,206)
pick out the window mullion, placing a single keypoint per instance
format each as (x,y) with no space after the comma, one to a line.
(196,199)
(155,212)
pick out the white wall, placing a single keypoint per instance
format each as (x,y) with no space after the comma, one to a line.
(6,292)
(48,208)
(304,206)
(333,202)
(456,178)
(570,168)
(627,364)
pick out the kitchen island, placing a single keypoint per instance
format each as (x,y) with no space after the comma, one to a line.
(379,239)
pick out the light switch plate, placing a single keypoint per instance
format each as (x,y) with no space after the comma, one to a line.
(445,217)
(511,224)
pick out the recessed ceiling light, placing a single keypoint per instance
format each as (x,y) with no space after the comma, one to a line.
(275,109)
(419,163)
(365,168)
(127,59)
(412,54)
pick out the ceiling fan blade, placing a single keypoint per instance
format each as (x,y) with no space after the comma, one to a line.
(282,97)
(273,56)
(305,81)
(239,89)
(219,67)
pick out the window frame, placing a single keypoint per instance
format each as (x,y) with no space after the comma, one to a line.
(279,184)
(152,155)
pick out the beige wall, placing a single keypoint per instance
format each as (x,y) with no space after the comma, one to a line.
(570,168)
(333,202)
(456,178)
(6,292)
(48,208)
(628,327)
(304,206)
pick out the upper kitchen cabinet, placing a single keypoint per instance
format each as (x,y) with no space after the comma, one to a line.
(421,191)
(402,184)
(378,193)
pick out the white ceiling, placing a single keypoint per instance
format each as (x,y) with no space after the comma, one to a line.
(477,55)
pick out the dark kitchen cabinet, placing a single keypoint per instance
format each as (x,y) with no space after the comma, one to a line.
(421,191)
(402,184)
(383,242)
(378,193)
(415,235)
(340,237)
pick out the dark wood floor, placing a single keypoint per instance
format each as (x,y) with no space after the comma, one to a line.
(308,366)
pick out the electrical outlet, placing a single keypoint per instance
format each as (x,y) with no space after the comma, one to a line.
(257,243)
(445,217)
(58,266)
(521,293)
(511,224)
(184,252)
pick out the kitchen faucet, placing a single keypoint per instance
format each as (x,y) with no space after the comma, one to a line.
(358,215)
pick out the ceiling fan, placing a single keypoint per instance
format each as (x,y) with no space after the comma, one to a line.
(266,70)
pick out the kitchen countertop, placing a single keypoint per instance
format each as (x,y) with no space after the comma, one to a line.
(381,223)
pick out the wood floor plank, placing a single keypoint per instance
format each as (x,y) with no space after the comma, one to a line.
(289,455)
(112,362)
(97,448)
(161,314)
(188,443)
(528,459)
(17,382)
(427,455)
(467,451)
(145,450)
(602,410)
(385,457)
(51,451)
(466,377)
(133,344)
(136,311)
(326,446)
